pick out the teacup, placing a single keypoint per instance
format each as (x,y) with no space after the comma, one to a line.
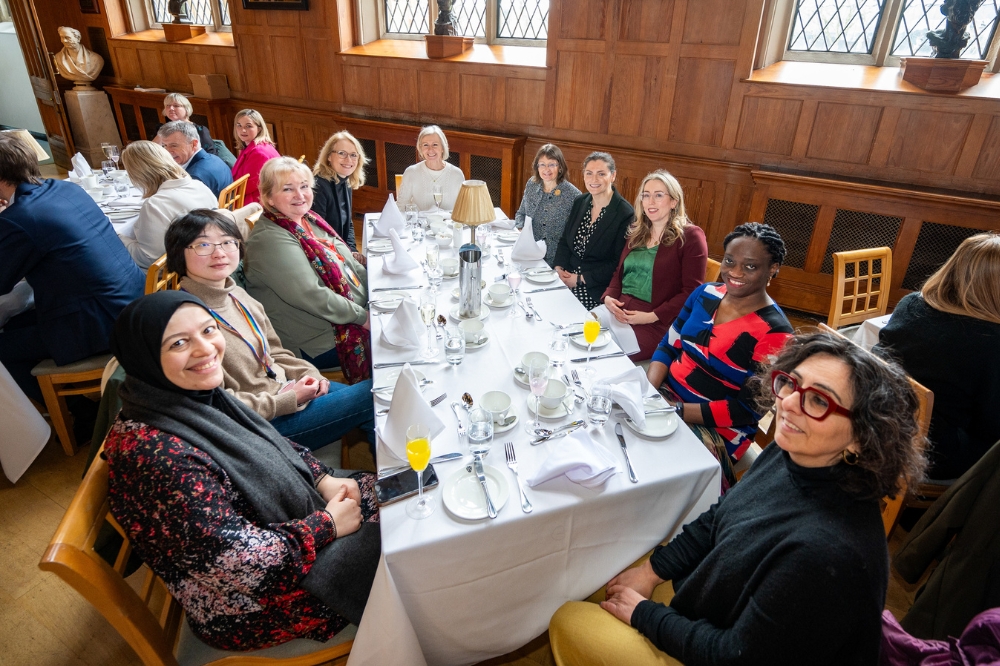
(555,393)
(89,182)
(499,292)
(435,219)
(118,172)
(496,403)
(473,330)
(449,265)
(96,193)
(528,358)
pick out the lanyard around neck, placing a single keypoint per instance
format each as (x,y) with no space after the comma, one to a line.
(263,361)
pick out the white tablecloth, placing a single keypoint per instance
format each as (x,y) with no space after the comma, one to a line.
(450,591)
(867,335)
(23,431)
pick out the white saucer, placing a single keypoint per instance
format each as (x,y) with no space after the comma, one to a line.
(463,496)
(520,378)
(456,293)
(564,409)
(387,301)
(658,426)
(540,275)
(483,341)
(488,299)
(497,430)
(390,378)
(483,314)
(121,216)
(379,246)
(603,338)
(508,236)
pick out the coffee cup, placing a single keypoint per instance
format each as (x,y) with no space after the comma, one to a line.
(473,330)
(499,292)
(528,358)
(435,219)
(89,182)
(555,393)
(96,193)
(449,266)
(497,403)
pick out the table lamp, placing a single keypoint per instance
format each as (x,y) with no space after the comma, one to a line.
(25,135)
(472,208)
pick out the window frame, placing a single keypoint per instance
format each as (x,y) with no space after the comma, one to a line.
(492,16)
(216,26)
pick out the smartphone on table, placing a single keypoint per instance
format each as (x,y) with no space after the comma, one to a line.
(402,485)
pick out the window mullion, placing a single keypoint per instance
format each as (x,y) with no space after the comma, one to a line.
(891,13)
(432,8)
(491,21)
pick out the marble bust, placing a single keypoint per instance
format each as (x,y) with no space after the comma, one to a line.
(76,62)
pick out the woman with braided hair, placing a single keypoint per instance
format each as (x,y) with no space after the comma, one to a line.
(723,336)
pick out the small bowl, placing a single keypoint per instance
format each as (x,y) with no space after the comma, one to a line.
(443,238)
(473,330)
(555,393)
(496,403)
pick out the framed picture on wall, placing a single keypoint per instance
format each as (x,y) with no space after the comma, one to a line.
(89,7)
(300,5)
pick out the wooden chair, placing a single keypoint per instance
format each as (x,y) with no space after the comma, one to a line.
(302,158)
(712,269)
(232,196)
(251,220)
(863,295)
(58,381)
(158,635)
(891,508)
(158,278)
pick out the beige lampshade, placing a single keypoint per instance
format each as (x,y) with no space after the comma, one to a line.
(25,135)
(473,205)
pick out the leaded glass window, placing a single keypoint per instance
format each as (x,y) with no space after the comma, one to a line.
(838,26)
(200,11)
(523,19)
(921,16)
(408,17)
(469,17)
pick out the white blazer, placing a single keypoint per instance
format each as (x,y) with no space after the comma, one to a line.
(173,199)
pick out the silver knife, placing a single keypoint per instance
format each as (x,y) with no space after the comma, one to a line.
(444,457)
(398,364)
(583,359)
(416,286)
(478,464)
(535,291)
(621,438)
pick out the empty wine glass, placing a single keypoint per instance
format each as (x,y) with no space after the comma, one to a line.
(538,381)
(111,152)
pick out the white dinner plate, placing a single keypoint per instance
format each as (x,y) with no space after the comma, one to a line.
(540,275)
(121,215)
(387,301)
(456,293)
(483,314)
(603,338)
(463,495)
(390,379)
(658,426)
(379,246)
(508,236)
(564,409)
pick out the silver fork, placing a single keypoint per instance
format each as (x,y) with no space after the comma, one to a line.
(434,403)
(458,415)
(508,448)
(527,313)
(576,379)
(500,258)
(537,316)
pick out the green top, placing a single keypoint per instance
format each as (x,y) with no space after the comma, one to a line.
(637,273)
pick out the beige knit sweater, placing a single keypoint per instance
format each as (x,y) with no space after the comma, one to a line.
(244,377)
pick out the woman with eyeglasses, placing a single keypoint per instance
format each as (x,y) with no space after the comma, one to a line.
(791,567)
(204,247)
(663,262)
(339,169)
(722,337)
(548,199)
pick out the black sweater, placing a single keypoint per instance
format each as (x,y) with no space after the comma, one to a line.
(958,358)
(332,202)
(787,568)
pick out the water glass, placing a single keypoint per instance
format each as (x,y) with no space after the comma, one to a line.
(558,346)
(418,233)
(454,345)
(599,404)
(107,166)
(121,186)
(480,431)
(484,238)
(412,218)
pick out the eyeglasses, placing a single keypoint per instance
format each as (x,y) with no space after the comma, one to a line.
(346,155)
(646,197)
(815,404)
(548,165)
(206,249)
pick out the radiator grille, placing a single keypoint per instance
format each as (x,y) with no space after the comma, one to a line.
(490,170)
(150,121)
(397,158)
(935,244)
(794,221)
(853,230)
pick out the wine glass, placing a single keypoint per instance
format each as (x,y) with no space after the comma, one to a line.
(514,280)
(418,453)
(538,381)
(107,166)
(428,310)
(591,329)
(438,196)
(112,152)
(411,215)
(558,346)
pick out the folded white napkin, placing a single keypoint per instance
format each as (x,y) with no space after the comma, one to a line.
(405,328)
(408,407)
(391,219)
(502,221)
(81,167)
(628,389)
(623,334)
(400,261)
(527,248)
(580,458)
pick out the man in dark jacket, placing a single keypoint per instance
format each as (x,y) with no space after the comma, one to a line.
(53,235)
(180,138)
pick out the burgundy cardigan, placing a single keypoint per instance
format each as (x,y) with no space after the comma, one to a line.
(677,270)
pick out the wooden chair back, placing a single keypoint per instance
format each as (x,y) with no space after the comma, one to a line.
(712,269)
(158,278)
(232,196)
(861,286)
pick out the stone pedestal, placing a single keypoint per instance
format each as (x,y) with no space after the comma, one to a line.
(92,122)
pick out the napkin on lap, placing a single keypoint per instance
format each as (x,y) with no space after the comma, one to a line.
(405,328)
(391,219)
(408,407)
(527,248)
(622,333)
(400,261)
(580,458)
(628,389)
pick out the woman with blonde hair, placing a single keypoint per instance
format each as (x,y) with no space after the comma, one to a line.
(432,175)
(169,192)
(302,272)
(662,263)
(255,147)
(947,337)
(339,169)
(178,107)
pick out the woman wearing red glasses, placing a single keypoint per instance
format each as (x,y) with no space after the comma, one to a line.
(791,566)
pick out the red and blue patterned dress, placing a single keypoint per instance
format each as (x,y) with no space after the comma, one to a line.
(710,364)
(237,579)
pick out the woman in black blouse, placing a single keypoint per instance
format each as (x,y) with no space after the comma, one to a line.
(594,237)
(339,169)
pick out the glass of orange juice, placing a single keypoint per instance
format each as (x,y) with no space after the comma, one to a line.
(418,453)
(591,329)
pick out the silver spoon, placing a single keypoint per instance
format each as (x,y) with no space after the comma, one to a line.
(545,432)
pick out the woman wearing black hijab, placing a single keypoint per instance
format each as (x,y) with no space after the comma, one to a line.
(257,540)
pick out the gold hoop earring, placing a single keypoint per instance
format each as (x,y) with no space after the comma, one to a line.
(850,457)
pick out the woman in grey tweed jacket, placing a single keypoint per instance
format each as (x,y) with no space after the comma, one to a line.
(548,198)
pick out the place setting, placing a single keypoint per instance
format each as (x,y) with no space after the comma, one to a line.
(477,491)
(499,296)
(542,275)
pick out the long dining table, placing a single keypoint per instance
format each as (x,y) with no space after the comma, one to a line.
(453,591)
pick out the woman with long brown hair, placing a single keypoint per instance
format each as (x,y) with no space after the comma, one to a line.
(663,262)
(947,337)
